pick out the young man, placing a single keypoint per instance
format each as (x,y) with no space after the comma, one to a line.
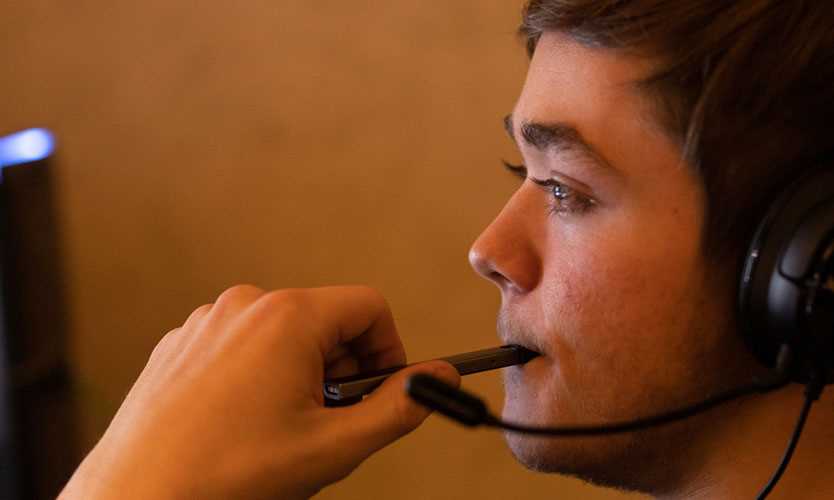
(654,136)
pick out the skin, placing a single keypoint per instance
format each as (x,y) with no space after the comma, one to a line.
(229,405)
(612,289)
(630,318)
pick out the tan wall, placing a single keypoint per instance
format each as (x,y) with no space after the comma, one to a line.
(282,143)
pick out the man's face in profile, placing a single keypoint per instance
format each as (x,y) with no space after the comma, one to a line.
(599,261)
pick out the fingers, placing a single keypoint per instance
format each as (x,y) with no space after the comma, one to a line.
(196,316)
(163,348)
(288,338)
(389,413)
(342,320)
(341,362)
(359,317)
(232,302)
(353,316)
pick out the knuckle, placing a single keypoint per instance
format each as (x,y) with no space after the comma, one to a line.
(237,294)
(284,302)
(238,291)
(165,344)
(169,337)
(198,313)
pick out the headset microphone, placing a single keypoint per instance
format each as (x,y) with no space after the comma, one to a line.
(471,411)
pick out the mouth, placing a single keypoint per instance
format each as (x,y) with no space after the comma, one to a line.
(515,333)
(526,354)
(531,350)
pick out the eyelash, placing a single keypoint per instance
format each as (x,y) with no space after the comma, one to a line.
(565,200)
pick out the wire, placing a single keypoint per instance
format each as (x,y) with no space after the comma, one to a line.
(471,410)
(633,425)
(812,393)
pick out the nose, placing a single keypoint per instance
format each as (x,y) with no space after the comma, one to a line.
(506,251)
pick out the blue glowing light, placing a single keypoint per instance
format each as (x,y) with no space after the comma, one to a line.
(26,146)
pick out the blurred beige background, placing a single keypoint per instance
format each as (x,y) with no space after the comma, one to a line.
(286,144)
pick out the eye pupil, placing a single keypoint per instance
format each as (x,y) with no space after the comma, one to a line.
(560,192)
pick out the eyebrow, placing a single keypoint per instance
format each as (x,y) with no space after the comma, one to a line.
(556,137)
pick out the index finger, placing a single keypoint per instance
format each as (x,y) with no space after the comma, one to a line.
(359,318)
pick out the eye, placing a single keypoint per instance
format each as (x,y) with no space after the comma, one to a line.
(565,200)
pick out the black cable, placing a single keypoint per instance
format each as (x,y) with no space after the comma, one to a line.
(812,393)
(471,410)
(642,423)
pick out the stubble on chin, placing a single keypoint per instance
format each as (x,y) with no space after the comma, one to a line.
(636,461)
(641,461)
(628,462)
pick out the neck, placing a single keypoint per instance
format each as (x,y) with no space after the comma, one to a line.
(739,455)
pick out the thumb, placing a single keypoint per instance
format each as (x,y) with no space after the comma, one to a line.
(389,413)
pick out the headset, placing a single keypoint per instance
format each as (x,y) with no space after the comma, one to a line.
(785,312)
(786,293)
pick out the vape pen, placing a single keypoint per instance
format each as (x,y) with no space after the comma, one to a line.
(349,390)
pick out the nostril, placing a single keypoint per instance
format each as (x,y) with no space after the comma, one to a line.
(484,266)
(496,277)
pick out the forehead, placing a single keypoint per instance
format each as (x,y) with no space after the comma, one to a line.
(590,88)
(598,92)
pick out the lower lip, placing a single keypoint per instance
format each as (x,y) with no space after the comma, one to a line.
(537,359)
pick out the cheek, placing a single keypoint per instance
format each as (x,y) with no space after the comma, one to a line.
(615,316)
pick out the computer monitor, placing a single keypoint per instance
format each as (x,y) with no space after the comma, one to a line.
(21,154)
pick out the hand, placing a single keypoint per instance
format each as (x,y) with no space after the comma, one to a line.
(230,405)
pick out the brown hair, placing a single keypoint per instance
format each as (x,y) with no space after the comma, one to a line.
(746,87)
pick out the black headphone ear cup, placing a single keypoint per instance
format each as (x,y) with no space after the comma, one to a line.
(782,293)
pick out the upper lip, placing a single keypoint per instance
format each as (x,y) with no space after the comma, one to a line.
(514,332)
(506,340)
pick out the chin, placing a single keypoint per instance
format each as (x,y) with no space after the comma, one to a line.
(528,405)
(530,452)
(626,462)
(534,452)
(610,462)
